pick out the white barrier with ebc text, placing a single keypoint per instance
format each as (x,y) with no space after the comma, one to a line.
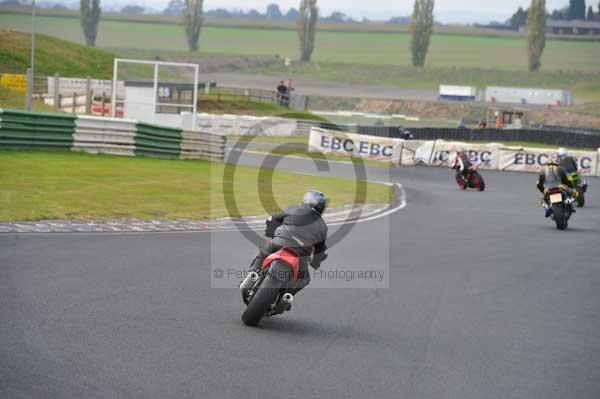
(534,160)
(440,152)
(355,145)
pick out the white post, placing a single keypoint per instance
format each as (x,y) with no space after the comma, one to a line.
(113,101)
(155,97)
(33,38)
(195,105)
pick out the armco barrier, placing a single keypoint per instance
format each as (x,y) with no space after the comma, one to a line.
(29,130)
(105,136)
(580,138)
(197,145)
(157,141)
(22,129)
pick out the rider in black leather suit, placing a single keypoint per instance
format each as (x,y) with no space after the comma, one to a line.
(301,229)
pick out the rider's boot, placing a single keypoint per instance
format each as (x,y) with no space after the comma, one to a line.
(547,209)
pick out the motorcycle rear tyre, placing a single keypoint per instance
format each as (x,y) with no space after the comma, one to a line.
(261,301)
(559,216)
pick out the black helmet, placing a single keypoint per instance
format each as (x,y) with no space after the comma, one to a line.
(316,200)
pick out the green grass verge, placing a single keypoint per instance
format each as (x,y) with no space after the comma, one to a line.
(15,100)
(37,185)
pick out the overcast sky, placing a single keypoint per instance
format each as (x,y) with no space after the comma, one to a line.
(463,11)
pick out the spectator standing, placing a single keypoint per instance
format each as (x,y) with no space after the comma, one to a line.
(281,92)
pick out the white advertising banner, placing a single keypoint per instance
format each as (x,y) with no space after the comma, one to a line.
(440,153)
(534,160)
(355,145)
(485,156)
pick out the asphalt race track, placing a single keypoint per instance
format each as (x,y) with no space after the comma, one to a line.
(486,299)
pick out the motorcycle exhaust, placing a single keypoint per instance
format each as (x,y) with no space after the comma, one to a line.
(287,298)
(249,281)
(569,201)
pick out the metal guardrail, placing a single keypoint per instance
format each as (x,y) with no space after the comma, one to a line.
(29,130)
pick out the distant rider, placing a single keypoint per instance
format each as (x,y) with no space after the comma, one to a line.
(568,163)
(302,229)
(553,176)
(461,163)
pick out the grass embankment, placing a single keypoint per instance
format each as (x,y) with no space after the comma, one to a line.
(52,56)
(221,102)
(36,185)
(15,100)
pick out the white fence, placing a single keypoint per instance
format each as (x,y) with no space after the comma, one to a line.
(240,125)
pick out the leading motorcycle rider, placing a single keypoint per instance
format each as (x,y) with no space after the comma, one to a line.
(553,176)
(567,162)
(302,229)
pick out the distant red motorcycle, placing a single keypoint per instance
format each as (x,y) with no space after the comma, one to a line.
(470,179)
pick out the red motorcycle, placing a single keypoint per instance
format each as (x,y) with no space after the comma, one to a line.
(470,179)
(268,291)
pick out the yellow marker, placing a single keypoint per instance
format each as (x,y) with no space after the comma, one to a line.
(14,82)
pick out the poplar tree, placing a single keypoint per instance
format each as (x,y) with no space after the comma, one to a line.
(89,12)
(536,36)
(192,22)
(421,27)
(308,15)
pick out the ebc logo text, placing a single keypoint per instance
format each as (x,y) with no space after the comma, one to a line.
(360,147)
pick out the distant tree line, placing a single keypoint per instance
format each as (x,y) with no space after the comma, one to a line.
(576,10)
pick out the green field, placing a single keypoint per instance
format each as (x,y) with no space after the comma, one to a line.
(341,47)
(36,185)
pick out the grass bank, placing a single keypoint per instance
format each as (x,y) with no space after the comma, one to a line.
(36,185)
(52,55)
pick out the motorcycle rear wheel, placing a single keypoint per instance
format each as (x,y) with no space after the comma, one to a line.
(261,301)
(478,181)
(461,181)
(559,216)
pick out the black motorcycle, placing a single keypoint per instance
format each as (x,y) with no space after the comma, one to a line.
(561,206)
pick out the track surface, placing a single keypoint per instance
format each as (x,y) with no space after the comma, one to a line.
(486,300)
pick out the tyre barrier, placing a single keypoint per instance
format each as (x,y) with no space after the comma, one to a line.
(98,135)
